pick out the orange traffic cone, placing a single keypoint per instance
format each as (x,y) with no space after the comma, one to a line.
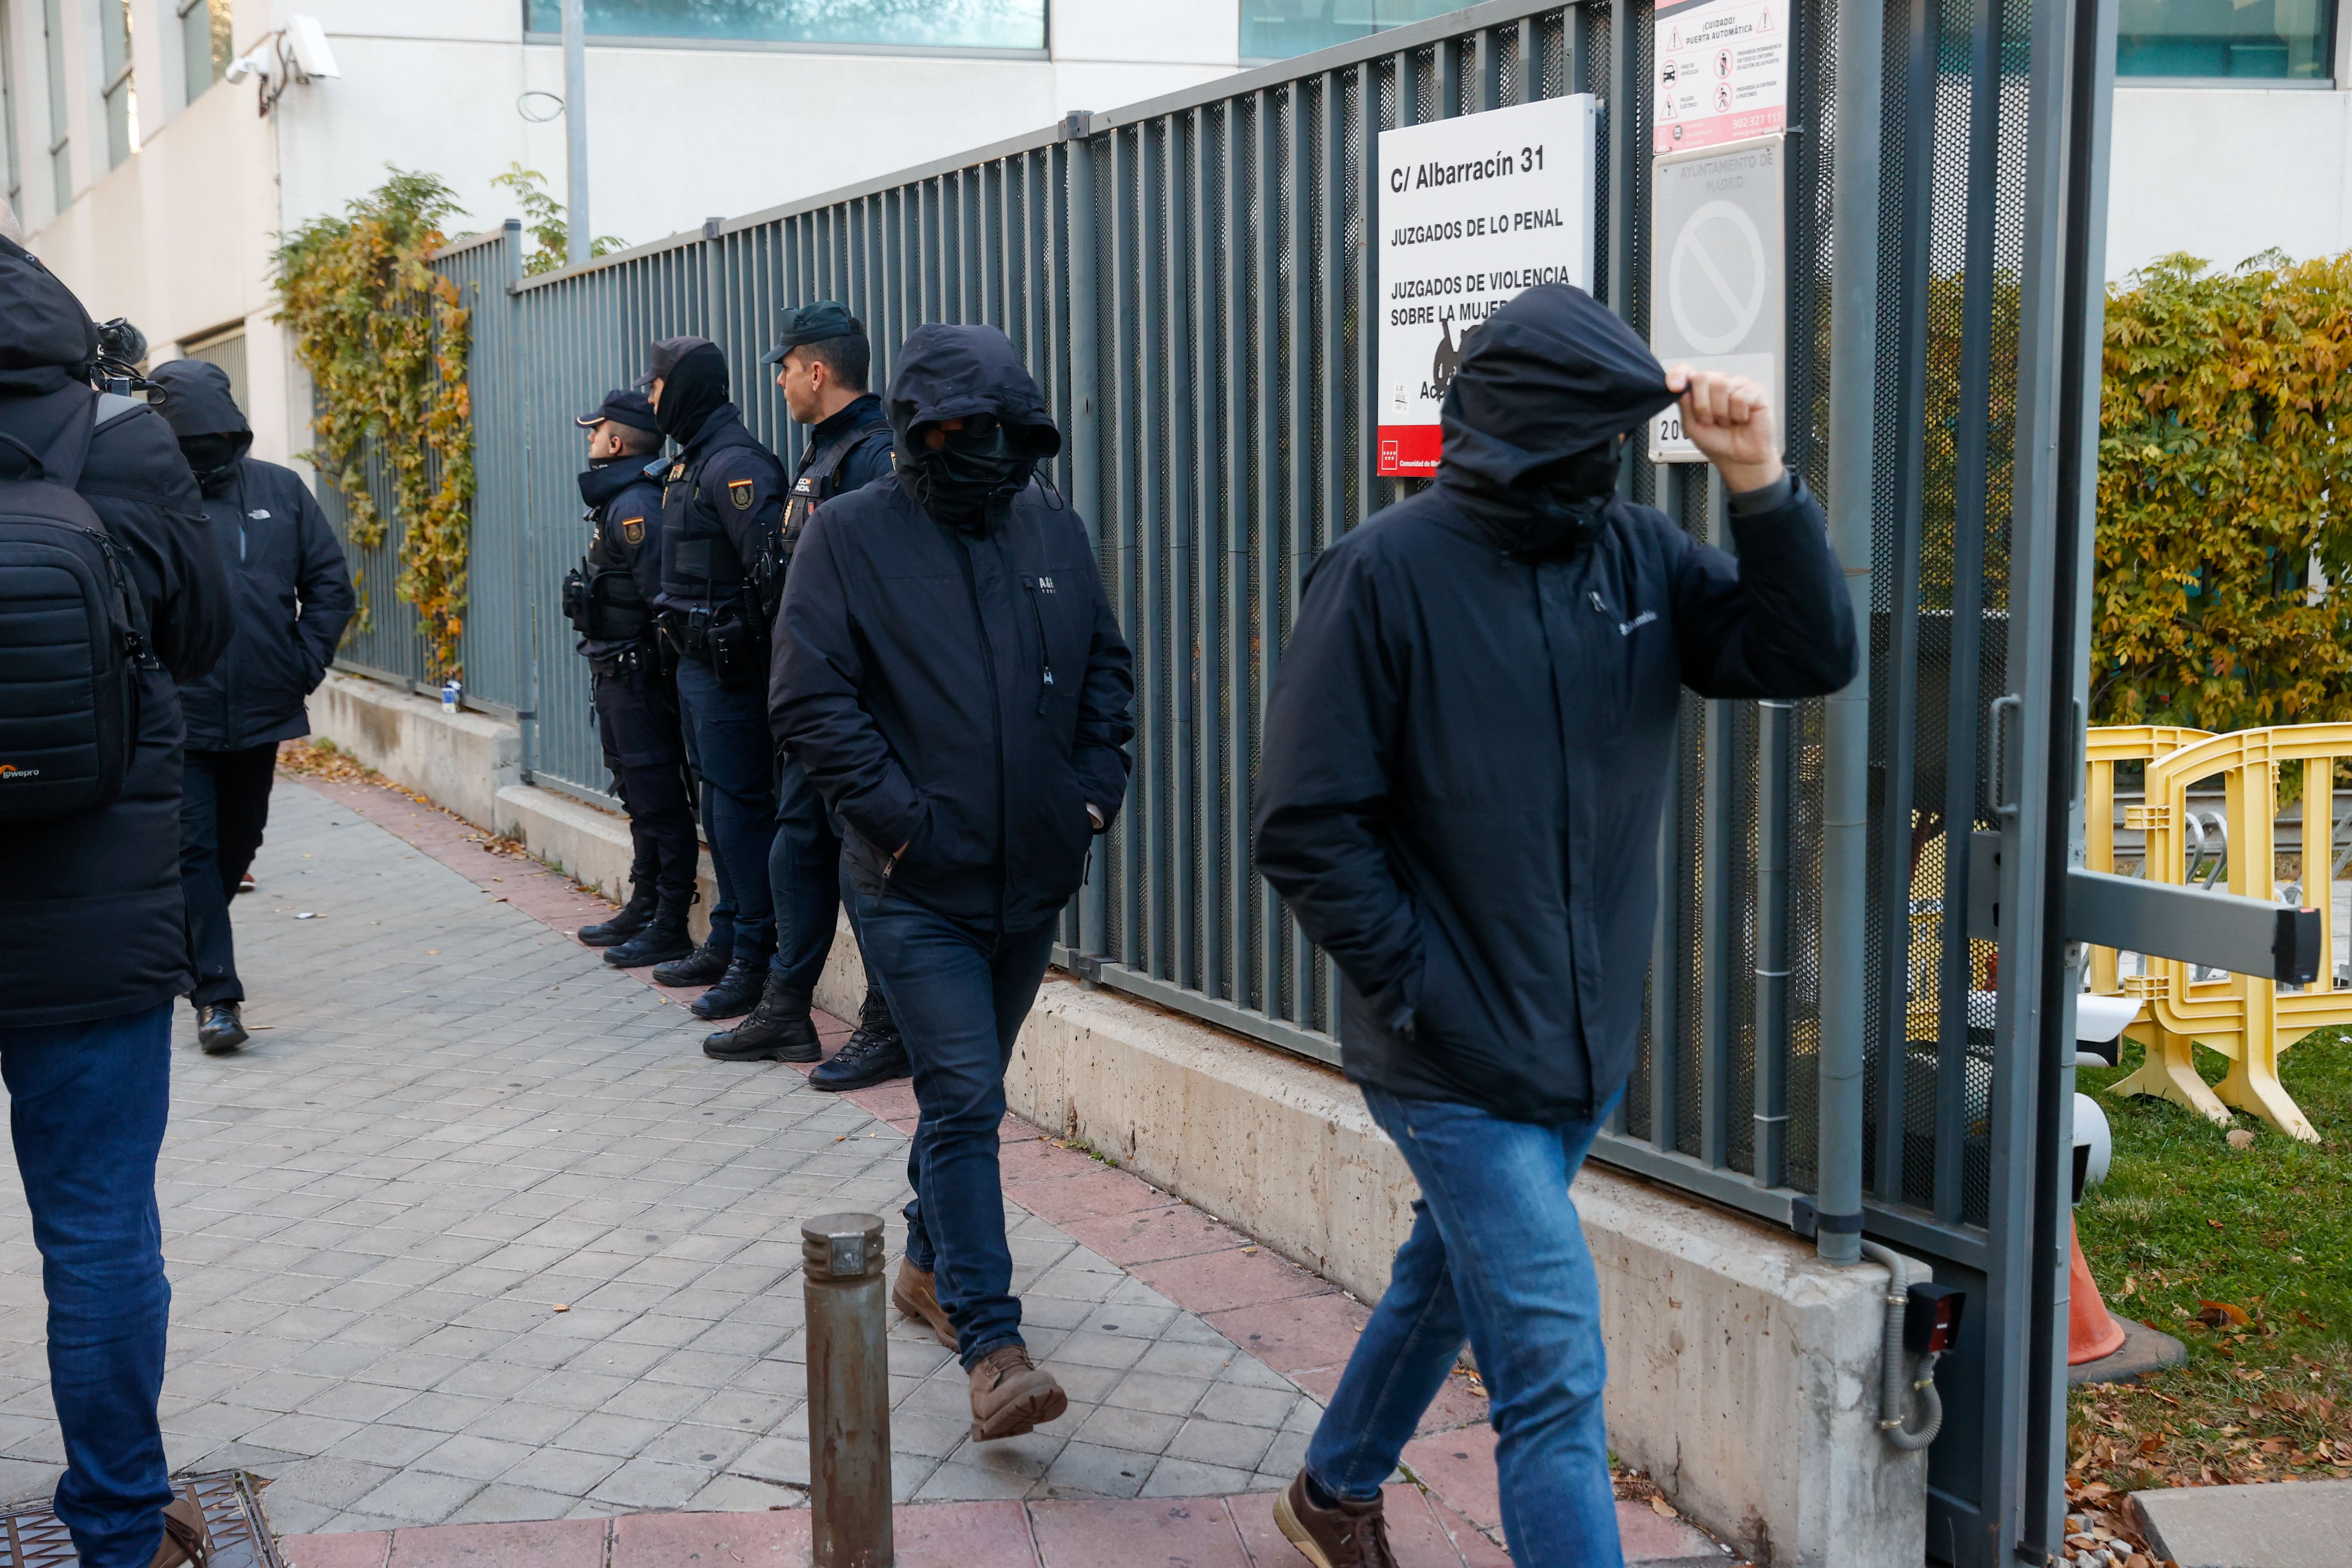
(2092,1331)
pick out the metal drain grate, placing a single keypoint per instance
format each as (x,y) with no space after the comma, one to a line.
(31,1536)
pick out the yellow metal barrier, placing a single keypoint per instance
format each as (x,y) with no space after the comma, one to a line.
(2246,1018)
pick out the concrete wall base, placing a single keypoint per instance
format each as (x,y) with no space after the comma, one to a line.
(1744,1372)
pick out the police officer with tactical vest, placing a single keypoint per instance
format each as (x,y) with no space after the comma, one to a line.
(722,501)
(822,358)
(609,599)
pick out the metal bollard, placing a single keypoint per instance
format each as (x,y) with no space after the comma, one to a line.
(848,1391)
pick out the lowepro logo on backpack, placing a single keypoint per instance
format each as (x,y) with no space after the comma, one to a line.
(72,634)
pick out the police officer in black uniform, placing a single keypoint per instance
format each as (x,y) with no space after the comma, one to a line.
(722,502)
(822,358)
(609,600)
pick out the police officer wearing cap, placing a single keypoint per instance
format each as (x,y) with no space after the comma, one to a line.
(609,599)
(822,358)
(722,502)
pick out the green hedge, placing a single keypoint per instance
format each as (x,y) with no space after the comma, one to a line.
(2225,476)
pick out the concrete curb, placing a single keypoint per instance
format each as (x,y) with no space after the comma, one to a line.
(1744,1371)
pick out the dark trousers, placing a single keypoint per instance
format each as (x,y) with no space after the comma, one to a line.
(637,720)
(86,1108)
(223,806)
(727,740)
(804,873)
(959,995)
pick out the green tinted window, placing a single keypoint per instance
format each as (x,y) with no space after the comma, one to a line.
(917,24)
(1277,29)
(2259,39)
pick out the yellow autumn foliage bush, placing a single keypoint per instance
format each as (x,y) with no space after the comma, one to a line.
(2225,497)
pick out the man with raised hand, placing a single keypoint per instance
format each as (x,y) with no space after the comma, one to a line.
(1465,758)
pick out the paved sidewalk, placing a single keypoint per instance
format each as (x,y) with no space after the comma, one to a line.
(473,1234)
(454,1119)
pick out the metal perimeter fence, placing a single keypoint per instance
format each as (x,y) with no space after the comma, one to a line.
(1191,281)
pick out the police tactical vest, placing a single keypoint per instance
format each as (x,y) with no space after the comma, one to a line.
(698,561)
(601,596)
(816,484)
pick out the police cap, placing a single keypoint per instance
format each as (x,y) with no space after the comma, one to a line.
(662,358)
(813,324)
(634,409)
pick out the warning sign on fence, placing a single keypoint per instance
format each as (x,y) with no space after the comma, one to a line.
(1718,273)
(1722,70)
(1472,211)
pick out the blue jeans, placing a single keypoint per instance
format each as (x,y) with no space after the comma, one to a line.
(727,740)
(805,874)
(959,996)
(87,1104)
(1497,1255)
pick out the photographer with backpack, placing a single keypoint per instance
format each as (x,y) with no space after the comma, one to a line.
(111,591)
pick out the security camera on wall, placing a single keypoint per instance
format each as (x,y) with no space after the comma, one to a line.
(245,68)
(306,45)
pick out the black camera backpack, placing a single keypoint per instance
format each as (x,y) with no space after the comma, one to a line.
(73,635)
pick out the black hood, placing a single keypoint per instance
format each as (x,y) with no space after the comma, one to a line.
(693,389)
(46,337)
(952,373)
(197,400)
(1551,374)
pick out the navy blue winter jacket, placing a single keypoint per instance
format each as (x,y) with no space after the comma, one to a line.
(965,694)
(1466,750)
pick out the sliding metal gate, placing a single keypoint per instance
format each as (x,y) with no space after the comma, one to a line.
(1191,281)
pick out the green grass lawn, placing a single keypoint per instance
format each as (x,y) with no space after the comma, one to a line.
(2186,1227)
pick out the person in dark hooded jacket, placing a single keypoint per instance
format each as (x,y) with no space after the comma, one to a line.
(1465,762)
(293,596)
(953,681)
(97,948)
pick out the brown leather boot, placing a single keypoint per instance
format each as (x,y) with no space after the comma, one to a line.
(915,1294)
(1010,1394)
(186,1538)
(1349,1535)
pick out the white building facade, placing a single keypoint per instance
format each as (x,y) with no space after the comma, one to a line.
(157,188)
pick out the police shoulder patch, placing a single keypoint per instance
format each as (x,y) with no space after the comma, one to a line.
(633,528)
(740,493)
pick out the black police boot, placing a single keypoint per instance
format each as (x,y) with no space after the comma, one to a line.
(778,1030)
(874,1054)
(663,941)
(705,965)
(627,920)
(219,1029)
(735,994)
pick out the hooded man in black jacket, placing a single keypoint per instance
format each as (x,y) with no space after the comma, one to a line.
(1463,769)
(610,600)
(97,944)
(293,596)
(950,674)
(722,500)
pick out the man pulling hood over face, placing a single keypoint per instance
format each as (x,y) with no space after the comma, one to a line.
(972,374)
(197,405)
(1536,416)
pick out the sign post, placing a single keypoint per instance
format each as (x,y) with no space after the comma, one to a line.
(1473,210)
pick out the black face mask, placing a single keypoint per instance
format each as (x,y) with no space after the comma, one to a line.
(213,459)
(956,481)
(1562,505)
(695,389)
